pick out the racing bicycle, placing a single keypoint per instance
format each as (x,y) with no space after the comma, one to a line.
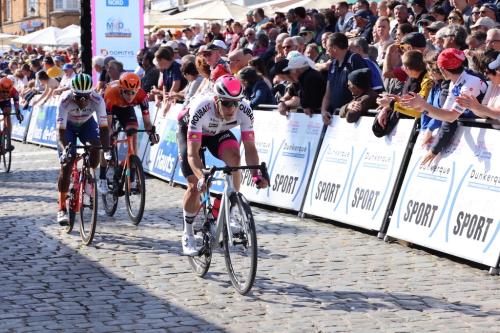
(82,199)
(126,177)
(5,143)
(233,229)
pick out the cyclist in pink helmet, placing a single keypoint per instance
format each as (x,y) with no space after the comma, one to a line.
(208,124)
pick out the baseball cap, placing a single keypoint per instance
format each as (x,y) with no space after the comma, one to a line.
(216,44)
(451,58)
(173,44)
(298,61)
(435,26)
(421,3)
(363,13)
(415,39)
(59,58)
(495,63)
(426,19)
(67,66)
(485,22)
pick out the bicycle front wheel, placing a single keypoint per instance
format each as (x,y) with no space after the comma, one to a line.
(5,149)
(135,190)
(240,255)
(88,206)
(110,199)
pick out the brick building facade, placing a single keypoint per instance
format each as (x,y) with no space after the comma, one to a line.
(20,17)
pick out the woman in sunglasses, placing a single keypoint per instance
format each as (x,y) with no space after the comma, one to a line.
(210,119)
(75,120)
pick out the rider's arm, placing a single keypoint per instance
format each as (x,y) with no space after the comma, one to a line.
(102,119)
(14,94)
(61,121)
(143,101)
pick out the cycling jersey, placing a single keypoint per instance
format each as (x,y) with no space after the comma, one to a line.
(466,84)
(114,99)
(205,120)
(69,112)
(5,99)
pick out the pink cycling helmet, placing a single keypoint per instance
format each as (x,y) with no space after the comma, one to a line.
(228,87)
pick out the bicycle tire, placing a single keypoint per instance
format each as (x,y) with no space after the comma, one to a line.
(88,203)
(110,200)
(245,244)
(200,264)
(7,154)
(135,164)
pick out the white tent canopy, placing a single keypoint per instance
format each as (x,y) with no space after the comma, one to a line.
(214,10)
(6,36)
(69,35)
(47,36)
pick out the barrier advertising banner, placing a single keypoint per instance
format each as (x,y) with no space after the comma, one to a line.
(117,29)
(355,172)
(159,160)
(20,130)
(288,146)
(42,127)
(452,205)
(143,138)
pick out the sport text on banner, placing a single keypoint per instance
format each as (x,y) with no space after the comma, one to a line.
(452,204)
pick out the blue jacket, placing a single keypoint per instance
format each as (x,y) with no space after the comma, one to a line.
(259,93)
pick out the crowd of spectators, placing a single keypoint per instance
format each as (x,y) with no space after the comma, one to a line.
(434,60)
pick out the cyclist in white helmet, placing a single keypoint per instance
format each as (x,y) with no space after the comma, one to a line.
(207,125)
(75,119)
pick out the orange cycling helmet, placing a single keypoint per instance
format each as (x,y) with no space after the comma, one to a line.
(130,81)
(6,84)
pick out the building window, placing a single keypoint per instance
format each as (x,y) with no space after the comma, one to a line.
(8,10)
(32,7)
(66,5)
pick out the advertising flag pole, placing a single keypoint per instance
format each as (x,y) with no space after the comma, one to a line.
(86,36)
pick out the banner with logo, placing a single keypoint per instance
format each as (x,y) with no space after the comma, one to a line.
(355,172)
(20,130)
(160,160)
(288,146)
(42,127)
(143,137)
(117,30)
(452,204)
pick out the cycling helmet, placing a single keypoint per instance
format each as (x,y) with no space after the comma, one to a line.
(81,84)
(228,87)
(6,84)
(130,81)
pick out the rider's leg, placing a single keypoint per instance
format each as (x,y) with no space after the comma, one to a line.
(8,123)
(191,204)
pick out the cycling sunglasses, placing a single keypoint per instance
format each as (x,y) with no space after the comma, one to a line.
(129,92)
(81,97)
(228,104)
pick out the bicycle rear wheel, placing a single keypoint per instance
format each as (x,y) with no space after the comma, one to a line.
(241,255)
(201,263)
(110,199)
(7,154)
(135,190)
(88,206)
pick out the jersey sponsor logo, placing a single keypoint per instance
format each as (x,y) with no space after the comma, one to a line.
(199,114)
(213,125)
(246,110)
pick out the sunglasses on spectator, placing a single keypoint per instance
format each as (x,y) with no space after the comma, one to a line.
(128,92)
(453,18)
(476,13)
(81,97)
(228,104)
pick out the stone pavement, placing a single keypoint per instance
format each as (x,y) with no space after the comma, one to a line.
(312,276)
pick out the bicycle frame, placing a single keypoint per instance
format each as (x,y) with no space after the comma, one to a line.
(130,151)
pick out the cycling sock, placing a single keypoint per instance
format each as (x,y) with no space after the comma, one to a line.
(102,172)
(188,222)
(62,200)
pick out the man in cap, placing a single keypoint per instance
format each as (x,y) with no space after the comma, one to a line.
(489,10)
(69,74)
(418,7)
(312,84)
(364,25)
(213,54)
(360,85)
(484,24)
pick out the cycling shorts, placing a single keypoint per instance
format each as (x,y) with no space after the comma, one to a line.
(5,104)
(215,144)
(126,116)
(88,132)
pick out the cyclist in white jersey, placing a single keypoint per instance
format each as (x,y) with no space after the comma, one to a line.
(75,119)
(207,125)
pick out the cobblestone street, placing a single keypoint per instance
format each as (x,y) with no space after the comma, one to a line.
(312,276)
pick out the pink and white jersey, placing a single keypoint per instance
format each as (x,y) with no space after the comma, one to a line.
(69,111)
(205,120)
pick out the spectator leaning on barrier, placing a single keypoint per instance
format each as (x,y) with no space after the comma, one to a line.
(337,93)
(364,98)
(391,106)
(256,90)
(170,79)
(69,74)
(312,84)
(151,73)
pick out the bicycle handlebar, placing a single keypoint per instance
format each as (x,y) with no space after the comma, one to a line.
(227,170)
